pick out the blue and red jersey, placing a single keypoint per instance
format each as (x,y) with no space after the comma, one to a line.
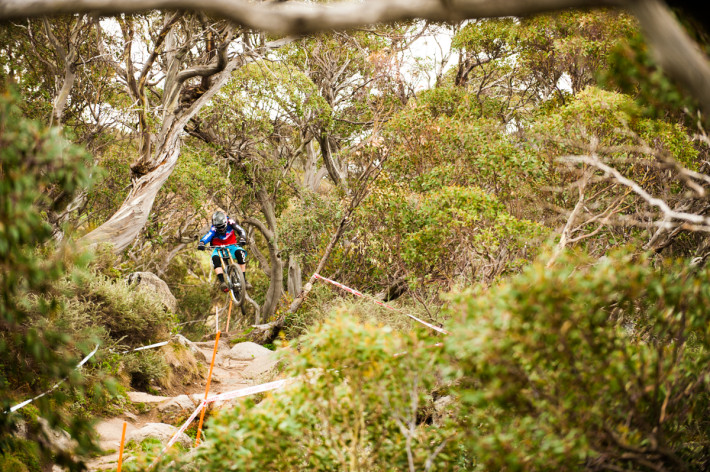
(226,239)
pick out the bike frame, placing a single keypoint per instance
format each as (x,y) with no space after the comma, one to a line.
(235,281)
(225,253)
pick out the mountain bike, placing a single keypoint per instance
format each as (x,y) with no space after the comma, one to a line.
(232,273)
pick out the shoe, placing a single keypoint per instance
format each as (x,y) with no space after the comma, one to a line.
(224,287)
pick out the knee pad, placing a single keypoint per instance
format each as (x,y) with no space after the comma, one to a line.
(241,257)
(215,261)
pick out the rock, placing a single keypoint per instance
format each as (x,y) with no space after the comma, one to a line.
(210,345)
(178,406)
(442,407)
(247,351)
(217,379)
(142,397)
(262,368)
(228,363)
(151,283)
(194,349)
(109,432)
(161,431)
(59,440)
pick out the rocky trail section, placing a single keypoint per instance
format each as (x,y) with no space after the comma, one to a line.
(236,367)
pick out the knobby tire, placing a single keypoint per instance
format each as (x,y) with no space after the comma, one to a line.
(237,293)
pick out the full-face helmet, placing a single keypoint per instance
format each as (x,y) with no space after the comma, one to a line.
(219,221)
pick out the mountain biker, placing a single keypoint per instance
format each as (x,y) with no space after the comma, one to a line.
(224,232)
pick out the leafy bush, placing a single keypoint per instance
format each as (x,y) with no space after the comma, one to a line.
(603,367)
(356,407)
(145,368)
(33,159)
(20,456)
(119,317)
(452,233)
(194,296)
(107,308)
(592,365)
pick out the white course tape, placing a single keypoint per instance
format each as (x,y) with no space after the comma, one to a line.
(145,347)
(249,391)
(179,432)
(221,397)
(26,402)
(359,294)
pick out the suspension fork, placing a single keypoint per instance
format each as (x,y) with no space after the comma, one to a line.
(232,262)
(221,264)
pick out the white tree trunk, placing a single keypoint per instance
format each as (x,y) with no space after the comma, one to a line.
(125,225)
(294,276)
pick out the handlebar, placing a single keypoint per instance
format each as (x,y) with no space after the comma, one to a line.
(210,246)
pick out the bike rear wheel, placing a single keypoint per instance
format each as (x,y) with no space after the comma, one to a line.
(238,285)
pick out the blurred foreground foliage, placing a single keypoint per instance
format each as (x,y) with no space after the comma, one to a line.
(589,365)
(32,160)
(56,306)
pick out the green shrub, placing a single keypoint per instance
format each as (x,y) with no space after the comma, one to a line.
(591,365)
(20,456)
(145,368)
(34,162)
(131,317)
(357,407)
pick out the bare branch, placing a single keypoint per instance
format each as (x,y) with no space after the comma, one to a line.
(156,49)
(268,234)
(565,235)
(668,212)
(299,18)
(213,67)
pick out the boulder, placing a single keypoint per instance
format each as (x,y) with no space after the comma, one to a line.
(142,397)
(109,432)
(179,406)
(194,349)
(151,283)
(247,351)
(262,368)
(442,409)
(58,440)
(160,431)
(223,344)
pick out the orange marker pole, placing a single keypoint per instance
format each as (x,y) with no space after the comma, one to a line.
(229,315)
(120,453)
(207,389)
(216,319)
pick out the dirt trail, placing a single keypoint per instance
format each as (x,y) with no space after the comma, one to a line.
(232,371)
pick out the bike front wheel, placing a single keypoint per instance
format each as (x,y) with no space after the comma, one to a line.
(238,285)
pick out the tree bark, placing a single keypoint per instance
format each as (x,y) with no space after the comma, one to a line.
(125,225)
(294,276)
(329,161)
(268,332)
(674,49)
(276,265)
